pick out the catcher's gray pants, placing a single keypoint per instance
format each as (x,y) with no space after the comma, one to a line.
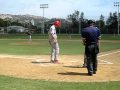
(55,50)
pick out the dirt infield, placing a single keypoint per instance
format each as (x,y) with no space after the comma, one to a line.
(70,69)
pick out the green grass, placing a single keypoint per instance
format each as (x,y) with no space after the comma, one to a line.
(14,45)
(107,46)
(41,47)
(9,83)
(110,37)
(24,47)
(61,36)
(22,36)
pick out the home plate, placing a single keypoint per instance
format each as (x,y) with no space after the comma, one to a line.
(38,60)
(46,65)
(43,62)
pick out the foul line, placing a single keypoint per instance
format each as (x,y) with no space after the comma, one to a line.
(106,62)
(103,61)
(108,54)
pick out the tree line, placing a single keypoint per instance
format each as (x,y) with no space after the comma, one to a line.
(73,24)
(107,26)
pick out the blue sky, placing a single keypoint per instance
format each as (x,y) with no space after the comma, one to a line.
(58,8)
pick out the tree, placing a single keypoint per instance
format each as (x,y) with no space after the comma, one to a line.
(112,23)
(101,24)
(75,21)
(16,23)
(83,21)
(1,23)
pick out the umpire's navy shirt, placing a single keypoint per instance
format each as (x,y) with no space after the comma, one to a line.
(91,34)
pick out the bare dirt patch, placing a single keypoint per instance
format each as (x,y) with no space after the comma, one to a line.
(39,67)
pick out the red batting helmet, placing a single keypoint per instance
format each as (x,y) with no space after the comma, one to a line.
(57,23)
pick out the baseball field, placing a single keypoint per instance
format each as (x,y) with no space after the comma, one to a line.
(25,65)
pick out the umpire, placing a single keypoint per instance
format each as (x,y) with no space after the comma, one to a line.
(90,37)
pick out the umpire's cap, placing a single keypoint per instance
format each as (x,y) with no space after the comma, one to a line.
(91,22)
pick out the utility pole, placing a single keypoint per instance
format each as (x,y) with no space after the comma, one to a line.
(117,4)
(43,6)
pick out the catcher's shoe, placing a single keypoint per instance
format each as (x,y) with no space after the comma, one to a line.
(84,66)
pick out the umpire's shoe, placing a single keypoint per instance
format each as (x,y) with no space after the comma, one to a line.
(94,72)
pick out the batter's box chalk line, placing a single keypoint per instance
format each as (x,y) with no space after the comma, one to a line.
(104,62)
(99,62)
(108,54)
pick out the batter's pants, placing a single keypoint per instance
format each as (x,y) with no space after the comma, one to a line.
(54,50)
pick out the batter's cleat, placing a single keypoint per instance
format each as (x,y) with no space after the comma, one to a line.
(56,62)
(52,61)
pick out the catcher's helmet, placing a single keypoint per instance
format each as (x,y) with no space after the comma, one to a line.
(57,23)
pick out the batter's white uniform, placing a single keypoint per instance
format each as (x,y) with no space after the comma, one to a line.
(53,42)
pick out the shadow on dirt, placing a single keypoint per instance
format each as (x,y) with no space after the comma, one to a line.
(74,66)
(35,62)
(74,73)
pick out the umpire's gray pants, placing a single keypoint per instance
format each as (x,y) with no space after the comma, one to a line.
(91,54)
(55,50)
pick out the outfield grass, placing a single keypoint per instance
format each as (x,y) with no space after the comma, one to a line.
(42,47)
(61,36)
(9,83)
(110,37)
